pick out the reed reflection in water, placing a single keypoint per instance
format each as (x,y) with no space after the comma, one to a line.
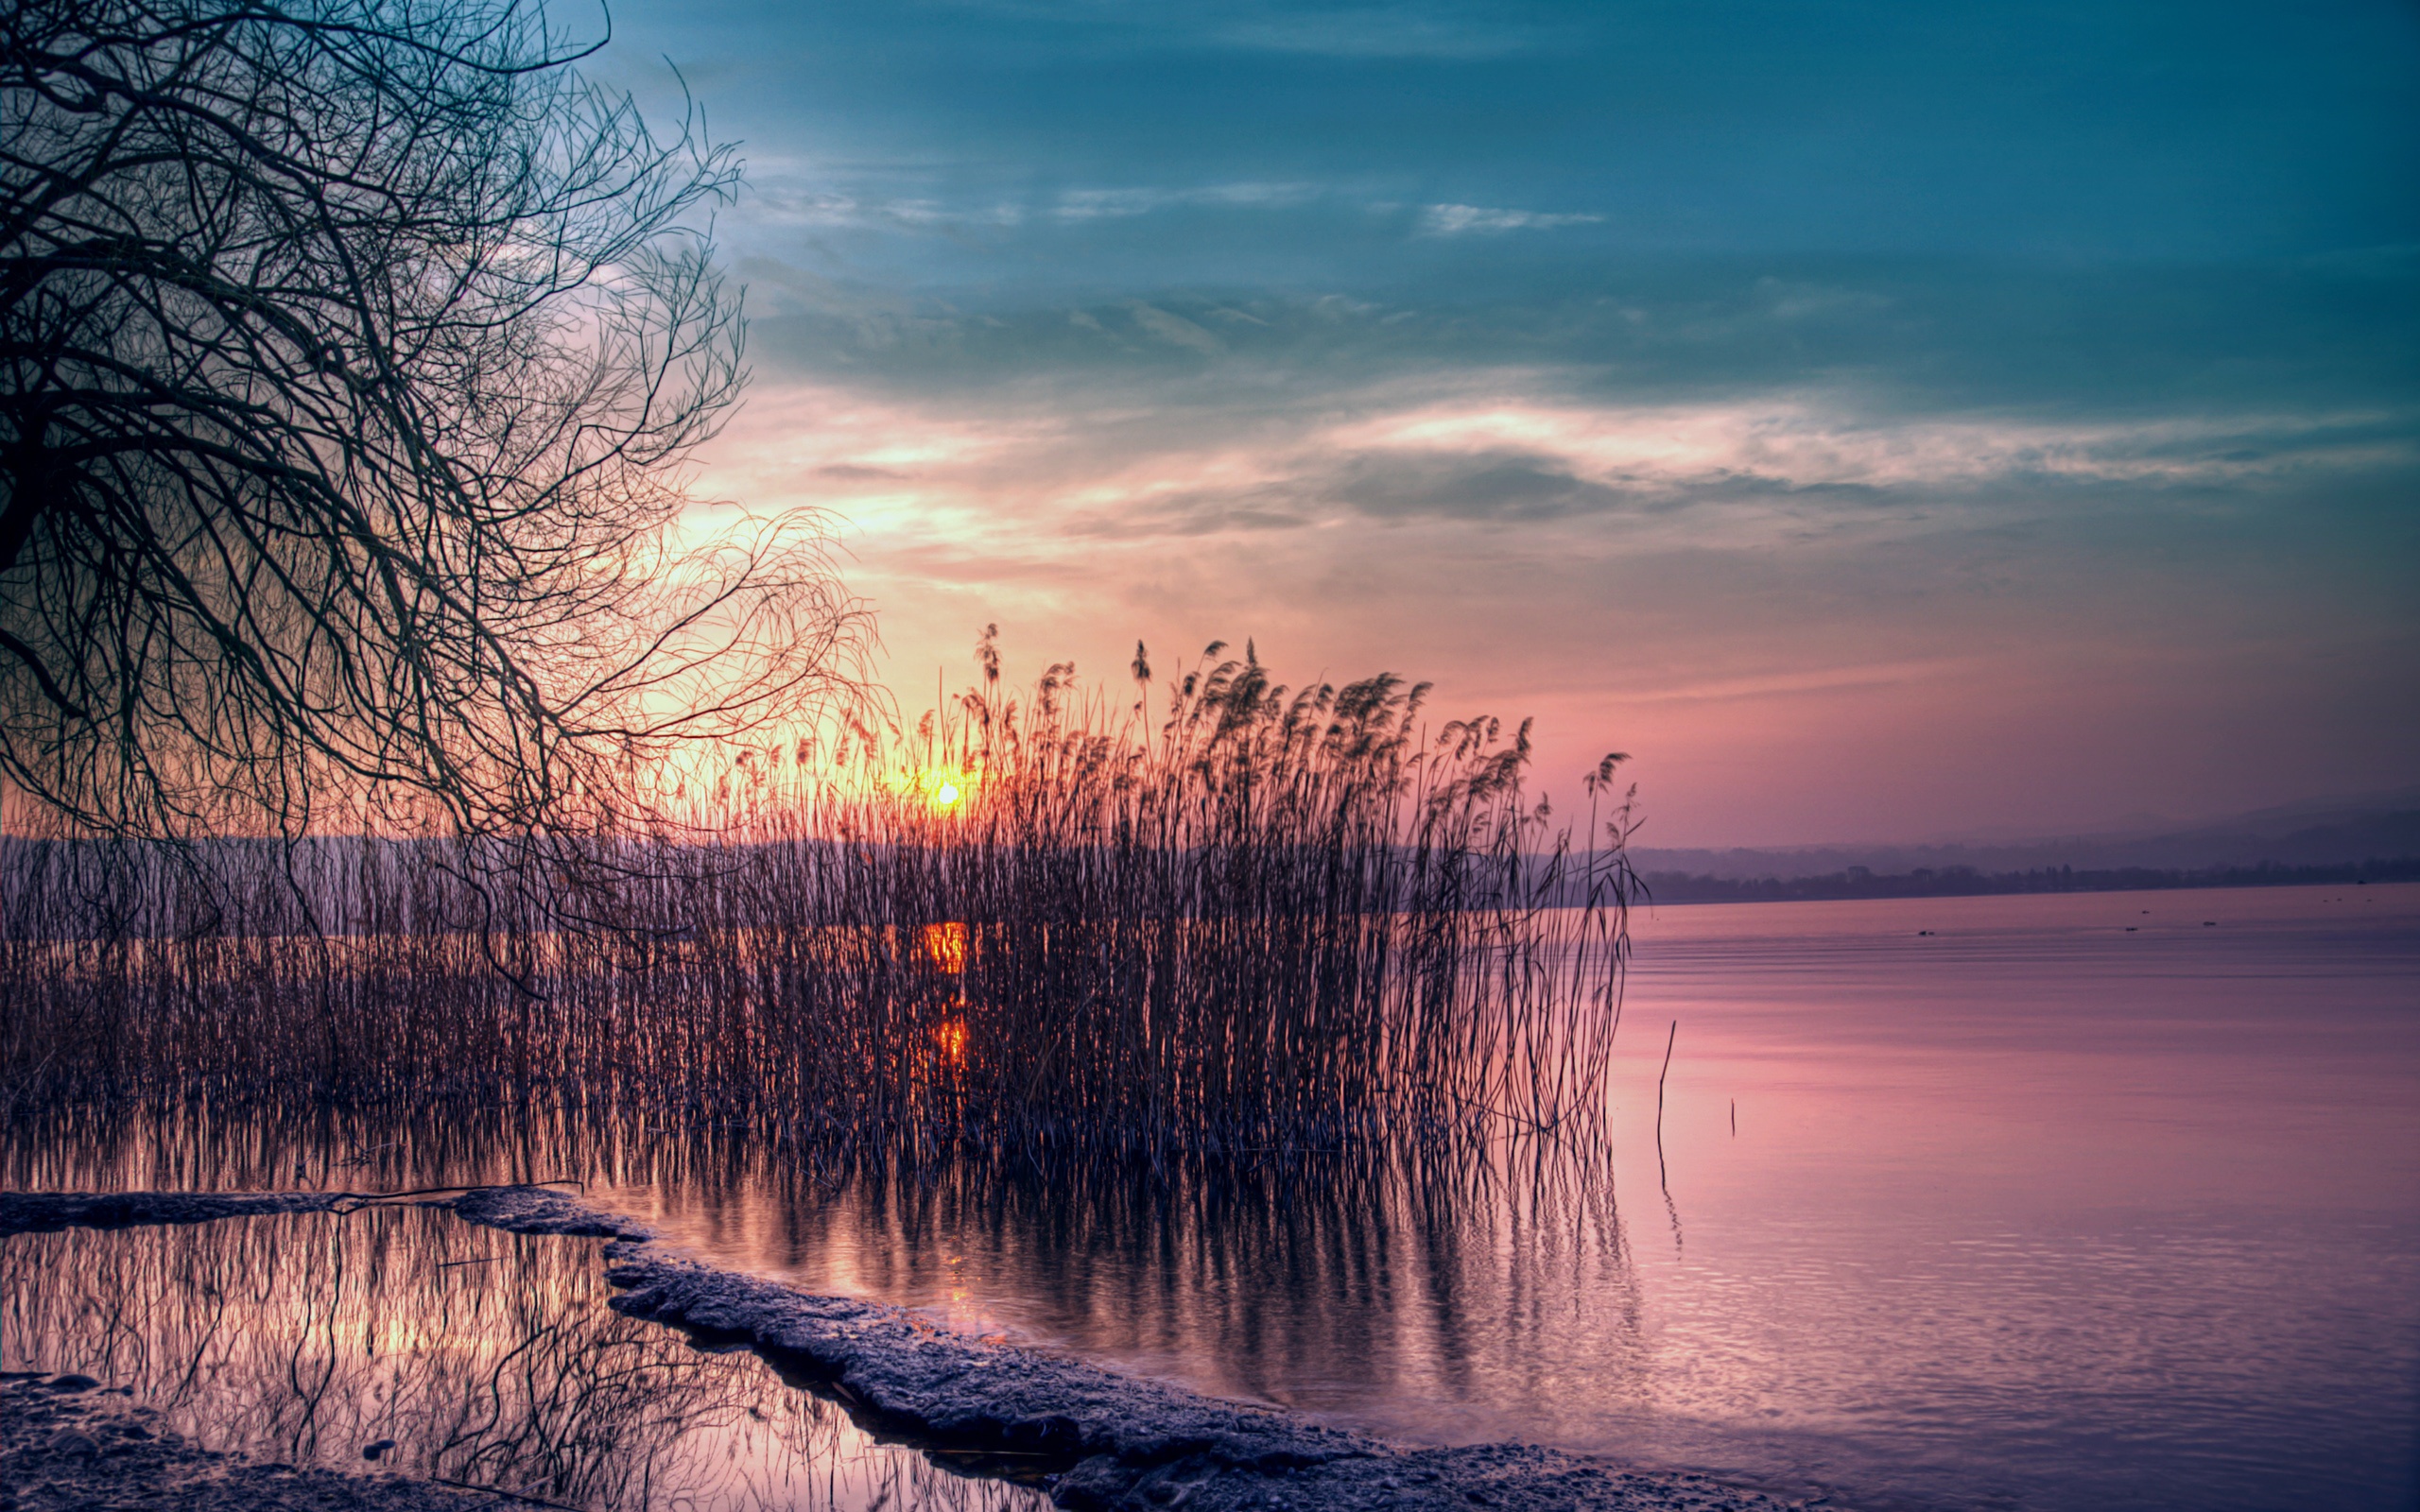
(1299,1281)
(487,1358)
(1421,1293)
(2046,1202)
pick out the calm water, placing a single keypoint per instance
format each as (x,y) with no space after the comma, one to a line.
(2106,1201)
(485,1358)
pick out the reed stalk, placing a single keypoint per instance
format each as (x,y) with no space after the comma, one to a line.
(1271,919)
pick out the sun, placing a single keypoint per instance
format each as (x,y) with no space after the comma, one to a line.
(940,789)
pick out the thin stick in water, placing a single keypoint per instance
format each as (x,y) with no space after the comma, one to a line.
(1659,1086)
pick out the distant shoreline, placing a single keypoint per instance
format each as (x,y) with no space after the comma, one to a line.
(1969,881)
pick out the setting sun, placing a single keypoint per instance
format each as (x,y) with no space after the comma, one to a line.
(941,789)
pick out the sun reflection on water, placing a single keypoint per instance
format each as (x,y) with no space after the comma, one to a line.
(944,946)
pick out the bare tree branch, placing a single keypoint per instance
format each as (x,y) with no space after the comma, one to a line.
(350,354)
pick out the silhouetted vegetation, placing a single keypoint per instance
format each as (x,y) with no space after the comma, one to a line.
(1275,921)
(350,352)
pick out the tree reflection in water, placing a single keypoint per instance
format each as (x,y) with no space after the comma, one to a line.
(487,1357)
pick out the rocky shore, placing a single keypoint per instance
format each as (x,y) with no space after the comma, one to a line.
(1106,1442)
(68,1442)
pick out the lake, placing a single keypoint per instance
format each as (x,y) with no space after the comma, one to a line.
(2058,1202)
(476,1357)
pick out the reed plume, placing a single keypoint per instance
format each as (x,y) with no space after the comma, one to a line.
(1256,919)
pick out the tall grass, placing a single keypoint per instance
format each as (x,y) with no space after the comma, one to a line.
(1258,920)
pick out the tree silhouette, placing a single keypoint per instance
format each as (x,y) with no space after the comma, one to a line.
(350,354)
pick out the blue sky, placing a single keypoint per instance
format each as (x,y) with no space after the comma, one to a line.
(1886,420)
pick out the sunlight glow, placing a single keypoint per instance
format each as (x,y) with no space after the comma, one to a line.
(943,789)
(944,945)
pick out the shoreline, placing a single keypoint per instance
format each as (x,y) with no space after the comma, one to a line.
(1097,1441)
(72,1442)
(1678,890)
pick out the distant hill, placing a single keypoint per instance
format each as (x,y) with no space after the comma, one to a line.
(2373,839)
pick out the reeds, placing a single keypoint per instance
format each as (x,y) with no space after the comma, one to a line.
(1272,920)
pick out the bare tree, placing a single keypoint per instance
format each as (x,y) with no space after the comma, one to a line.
(350,354)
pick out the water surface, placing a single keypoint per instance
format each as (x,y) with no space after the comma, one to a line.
(2069,1202)
(482,1358)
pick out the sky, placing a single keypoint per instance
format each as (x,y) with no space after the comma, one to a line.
(1884,421)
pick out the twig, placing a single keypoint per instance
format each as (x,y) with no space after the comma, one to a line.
(372,1199)
(1660,1177)
(509,1496)
(1659,1081)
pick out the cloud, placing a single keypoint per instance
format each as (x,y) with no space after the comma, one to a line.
(1467,220)
(1109,204)
(1467,485)
(1786,443)
(1731,582)
(1175,329)
(852,472)
(1607,361)
(799,197)
(1439,30)
(1014,466)
(795,196)
(1713,409)
(1371,32)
